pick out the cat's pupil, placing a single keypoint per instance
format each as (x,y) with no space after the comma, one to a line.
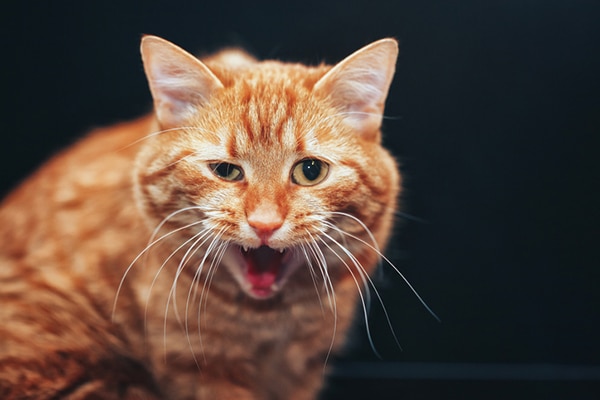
(309,172)
(224,169)
(311,169)
(227,171)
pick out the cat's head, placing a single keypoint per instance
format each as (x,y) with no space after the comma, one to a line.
(270,167)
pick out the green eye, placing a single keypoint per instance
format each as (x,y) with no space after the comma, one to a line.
(309,172)
(226,171)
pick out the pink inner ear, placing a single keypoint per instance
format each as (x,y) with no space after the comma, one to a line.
(179,82)
(359,85)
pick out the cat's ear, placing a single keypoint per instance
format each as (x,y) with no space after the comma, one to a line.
(358,85)
(179,82)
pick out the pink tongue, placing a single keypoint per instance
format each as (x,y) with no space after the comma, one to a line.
(263,266)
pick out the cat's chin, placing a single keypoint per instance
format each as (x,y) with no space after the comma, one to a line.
(262,272)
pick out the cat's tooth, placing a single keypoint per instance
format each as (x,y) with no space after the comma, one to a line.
(245,248)
(281,251)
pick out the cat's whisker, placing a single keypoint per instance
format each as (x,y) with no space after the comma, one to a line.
(181,159)
(215,246)
(313,275)
(347,113)
(411,217)
(370,114)
(151,243)
(313,248)
(191,251)
(214,265)
(322,263)
(198,236)
(364,274)
(154,134)
(193,247)
(219,248)
(193,288)
(362,225)
(167,219)
(376,249)
(161,132)
(361,294)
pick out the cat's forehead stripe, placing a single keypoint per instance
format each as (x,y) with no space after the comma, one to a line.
(267,116)
(289,138)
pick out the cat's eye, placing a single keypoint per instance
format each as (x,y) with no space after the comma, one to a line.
(227,171)
(309,172)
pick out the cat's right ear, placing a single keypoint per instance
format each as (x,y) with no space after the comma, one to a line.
(179,82)
(358,86)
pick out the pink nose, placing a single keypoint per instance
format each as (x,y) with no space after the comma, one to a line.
(265,221)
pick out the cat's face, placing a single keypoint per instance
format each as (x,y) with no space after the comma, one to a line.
(268,167)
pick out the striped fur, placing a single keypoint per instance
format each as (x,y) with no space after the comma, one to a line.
(131,269)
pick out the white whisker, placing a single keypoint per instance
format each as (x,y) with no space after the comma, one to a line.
(322,263)
(191,251)
(215,244)
(220,247)
(375,248)
(366,276)
(181,159)
(153,134)
(360,293)
(193,247)
(313,275)
(345,113)
(151,243)
(194,288)
(197,236)
(411,217)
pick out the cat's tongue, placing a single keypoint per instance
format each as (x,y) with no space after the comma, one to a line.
(263,266)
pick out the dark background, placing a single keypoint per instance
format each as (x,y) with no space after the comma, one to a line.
(495,115)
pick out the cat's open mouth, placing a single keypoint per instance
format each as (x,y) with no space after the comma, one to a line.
(265,270)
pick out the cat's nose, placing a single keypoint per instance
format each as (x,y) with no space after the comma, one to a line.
(265,220)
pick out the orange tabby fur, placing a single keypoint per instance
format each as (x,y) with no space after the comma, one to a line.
(84,318)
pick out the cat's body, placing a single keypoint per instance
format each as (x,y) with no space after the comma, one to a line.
(248,285)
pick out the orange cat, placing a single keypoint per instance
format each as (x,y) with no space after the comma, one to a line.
(216,249)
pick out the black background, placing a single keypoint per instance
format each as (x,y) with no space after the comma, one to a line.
(495,115)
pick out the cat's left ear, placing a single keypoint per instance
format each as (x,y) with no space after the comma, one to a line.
(179,82)
(358,86)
